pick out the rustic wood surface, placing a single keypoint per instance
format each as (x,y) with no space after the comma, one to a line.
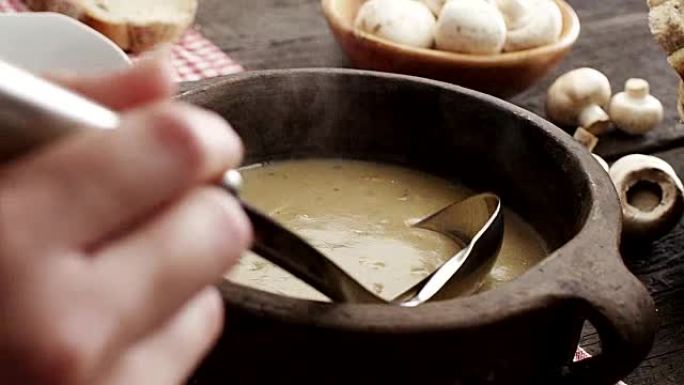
(265,34)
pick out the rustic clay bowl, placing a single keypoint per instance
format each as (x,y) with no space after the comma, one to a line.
(524,332)
(504,74)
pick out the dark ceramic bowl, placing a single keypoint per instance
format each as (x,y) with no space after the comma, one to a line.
(524,332)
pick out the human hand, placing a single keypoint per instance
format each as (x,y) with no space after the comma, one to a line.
(110,240)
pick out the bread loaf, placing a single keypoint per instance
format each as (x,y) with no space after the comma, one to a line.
(666,20)
(134,26)
(680,102)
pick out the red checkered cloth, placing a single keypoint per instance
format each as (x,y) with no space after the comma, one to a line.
(194,56)
(582,354)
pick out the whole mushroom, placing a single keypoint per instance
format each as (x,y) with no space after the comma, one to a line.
(406,22)
(530,23)
(516,13)
(602,162)
(651,195)
(470,26)
(435,5)
(579,98)
(635,111)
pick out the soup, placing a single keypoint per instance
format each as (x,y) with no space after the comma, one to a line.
(358,214)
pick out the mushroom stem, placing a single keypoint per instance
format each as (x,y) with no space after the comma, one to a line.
(594,119)
(637,88)
(586,138)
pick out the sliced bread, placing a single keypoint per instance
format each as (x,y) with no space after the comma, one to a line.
(133,25)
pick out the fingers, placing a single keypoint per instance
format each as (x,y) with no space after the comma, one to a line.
(169,356)
(149,80)
(96,184)
(169,259)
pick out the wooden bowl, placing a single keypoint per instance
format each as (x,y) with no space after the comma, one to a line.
(504,74)
(521,333)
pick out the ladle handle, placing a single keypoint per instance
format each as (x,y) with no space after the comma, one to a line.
(304,261)
(621,310)
(34,112)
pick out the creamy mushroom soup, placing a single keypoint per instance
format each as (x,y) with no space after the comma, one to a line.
(358,214)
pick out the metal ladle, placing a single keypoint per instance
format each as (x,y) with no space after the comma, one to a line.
(34,112)
(475,223)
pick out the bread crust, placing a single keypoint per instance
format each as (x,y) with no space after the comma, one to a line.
(666,21)
(680,102)
(130,36)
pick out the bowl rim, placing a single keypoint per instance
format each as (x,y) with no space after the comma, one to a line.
(533,290)
(569,35)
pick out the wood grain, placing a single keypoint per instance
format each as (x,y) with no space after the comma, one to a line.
(661,267)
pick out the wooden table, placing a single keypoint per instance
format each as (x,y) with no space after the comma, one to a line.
(264,34)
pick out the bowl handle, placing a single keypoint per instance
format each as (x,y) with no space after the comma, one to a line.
(623,313)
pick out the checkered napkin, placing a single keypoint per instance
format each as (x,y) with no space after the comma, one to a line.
(582,354)
(194,57)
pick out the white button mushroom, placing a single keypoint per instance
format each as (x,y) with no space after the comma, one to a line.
(579,98)
(435,5)
(516,13)
(406,22)
(470,26)
(602,162)
(530,23)
(635,111)
(651,194)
